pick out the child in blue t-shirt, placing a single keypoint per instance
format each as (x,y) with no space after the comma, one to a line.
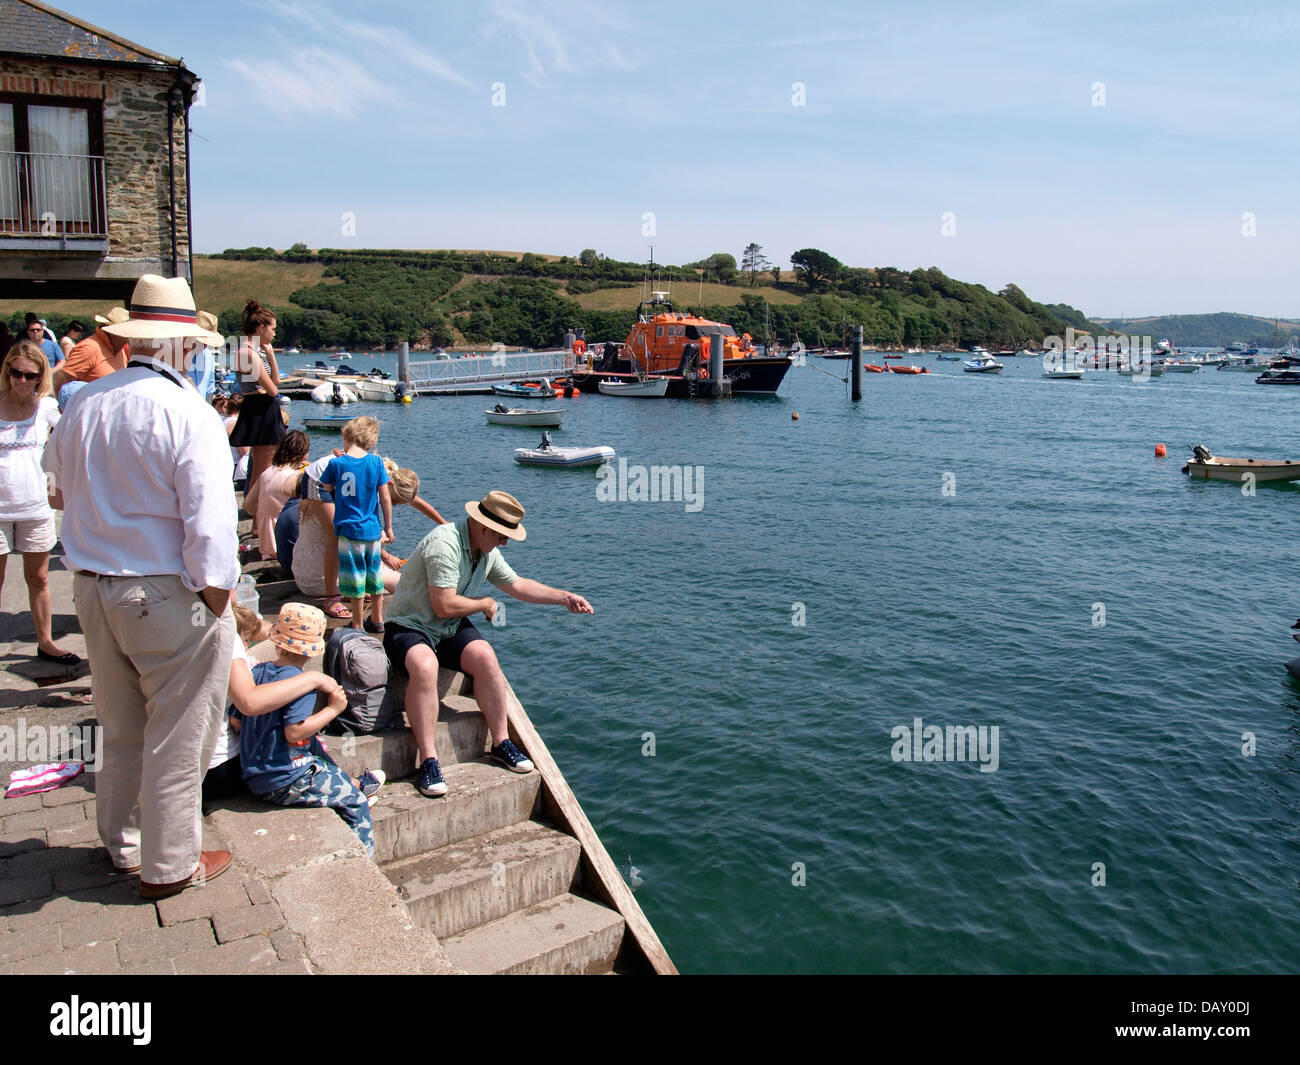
(360,486)
(282,761)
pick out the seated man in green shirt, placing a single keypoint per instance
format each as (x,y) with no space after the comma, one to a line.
(429,624)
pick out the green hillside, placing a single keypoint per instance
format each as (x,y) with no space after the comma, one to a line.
(1205,330)
(381,297)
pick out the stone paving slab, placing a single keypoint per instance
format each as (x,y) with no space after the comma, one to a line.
(300,898)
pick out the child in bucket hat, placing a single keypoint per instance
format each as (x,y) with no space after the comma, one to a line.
(283,761)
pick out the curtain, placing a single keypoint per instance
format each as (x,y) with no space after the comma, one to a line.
(59,142)
(8,169)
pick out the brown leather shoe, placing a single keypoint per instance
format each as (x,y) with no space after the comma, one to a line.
(211,864)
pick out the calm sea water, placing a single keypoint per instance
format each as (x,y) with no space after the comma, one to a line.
(772,828)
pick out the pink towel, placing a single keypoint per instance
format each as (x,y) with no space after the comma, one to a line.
(42,778)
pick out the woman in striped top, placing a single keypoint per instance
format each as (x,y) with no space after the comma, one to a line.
(260,426)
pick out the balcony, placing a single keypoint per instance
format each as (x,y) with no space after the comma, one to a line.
(52,203)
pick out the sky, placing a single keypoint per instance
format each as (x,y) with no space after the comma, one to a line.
(1129,159)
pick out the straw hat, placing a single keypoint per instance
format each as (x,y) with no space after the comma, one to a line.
(115,316)
(501,512)
(300,630)
(162,308)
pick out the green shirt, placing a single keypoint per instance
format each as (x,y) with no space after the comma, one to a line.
(443,561)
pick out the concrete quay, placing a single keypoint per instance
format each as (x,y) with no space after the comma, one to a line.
(503,875)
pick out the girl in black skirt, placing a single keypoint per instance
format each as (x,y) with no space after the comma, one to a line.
(260,426)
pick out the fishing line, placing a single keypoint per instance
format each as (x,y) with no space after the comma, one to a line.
(610,758)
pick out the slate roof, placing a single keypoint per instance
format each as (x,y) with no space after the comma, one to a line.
(34,29)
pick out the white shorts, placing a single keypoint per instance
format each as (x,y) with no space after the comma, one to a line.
(30,536)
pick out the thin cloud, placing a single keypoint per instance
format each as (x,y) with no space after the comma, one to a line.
(535,34)
(296,86)
(393,47)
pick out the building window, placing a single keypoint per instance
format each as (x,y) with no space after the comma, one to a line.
(51,168)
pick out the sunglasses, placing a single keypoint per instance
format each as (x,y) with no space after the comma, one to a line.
(19,375)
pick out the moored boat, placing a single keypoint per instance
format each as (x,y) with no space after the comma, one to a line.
(526,389)
(1063,375)
(1208,467)
(982,363)
(539,419)
(647,388)
(907,369)
(327,422)
(547,454)
(676,346)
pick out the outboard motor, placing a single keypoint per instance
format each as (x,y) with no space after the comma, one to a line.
(545,445)
(690,358)
(399,390)
(501,408)
(337,397)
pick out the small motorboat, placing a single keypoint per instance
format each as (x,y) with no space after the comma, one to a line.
(341,355)
(898,355)
(949,356)
(908,369)
(1063,375)
(1278,377)
(539,419)
(644,388)
(333,392)
(526,389)
(982,363)
(326,422)
(1207,467)
(872,369)
(547,454)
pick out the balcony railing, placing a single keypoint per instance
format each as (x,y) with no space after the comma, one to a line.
(52,196)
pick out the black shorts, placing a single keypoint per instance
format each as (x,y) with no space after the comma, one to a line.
(260,423)
(399,640)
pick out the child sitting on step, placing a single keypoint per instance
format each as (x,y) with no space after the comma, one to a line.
(224,778)
(283,761)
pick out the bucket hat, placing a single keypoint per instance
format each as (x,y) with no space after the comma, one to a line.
(501,512)
(300,630)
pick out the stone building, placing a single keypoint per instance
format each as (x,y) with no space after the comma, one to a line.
(94,158)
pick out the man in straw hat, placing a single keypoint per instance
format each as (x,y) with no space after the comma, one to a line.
(142,463)
(439,590)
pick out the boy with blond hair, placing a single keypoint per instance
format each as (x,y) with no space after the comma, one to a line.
(282,761)
(359,483)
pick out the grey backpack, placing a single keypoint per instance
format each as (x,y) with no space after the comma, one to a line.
(358,662)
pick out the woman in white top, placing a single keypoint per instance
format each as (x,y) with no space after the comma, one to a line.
(28,412)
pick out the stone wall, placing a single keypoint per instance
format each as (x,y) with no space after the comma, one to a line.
(135,151)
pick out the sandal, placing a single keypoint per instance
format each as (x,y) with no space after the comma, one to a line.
(336,608)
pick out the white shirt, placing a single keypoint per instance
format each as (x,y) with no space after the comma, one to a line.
(23,490)
(144,466)
(228,739)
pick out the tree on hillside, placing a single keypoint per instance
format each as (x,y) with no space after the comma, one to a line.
(776,275)
(717,267)
(814,267)
(754,262)
(589,257)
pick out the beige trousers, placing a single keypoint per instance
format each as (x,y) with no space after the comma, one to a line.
(160,667)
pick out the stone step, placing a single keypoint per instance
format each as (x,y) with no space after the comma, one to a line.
(462,737)
(481,797)
(562,936)
(469,883)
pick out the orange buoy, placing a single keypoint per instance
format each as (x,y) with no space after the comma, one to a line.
(1160,451)
(794,415)
(579,347)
